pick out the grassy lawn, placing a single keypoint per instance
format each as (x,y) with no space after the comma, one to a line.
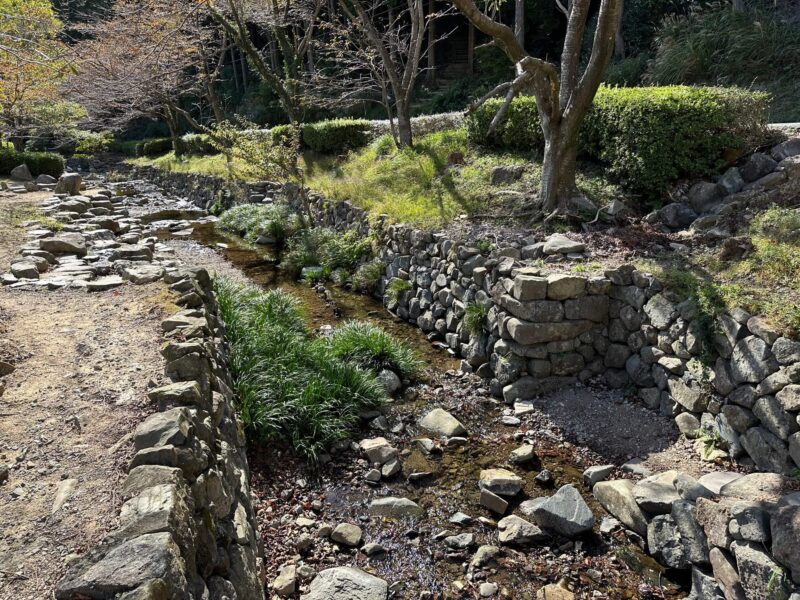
(417,185)
(765,281)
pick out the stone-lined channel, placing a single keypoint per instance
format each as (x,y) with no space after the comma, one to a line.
(297,506)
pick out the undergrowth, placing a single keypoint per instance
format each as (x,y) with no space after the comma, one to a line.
(253,221)
(326,248)
(292,387)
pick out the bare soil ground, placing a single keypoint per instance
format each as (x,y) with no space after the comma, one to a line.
(83,363)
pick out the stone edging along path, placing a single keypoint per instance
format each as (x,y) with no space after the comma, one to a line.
(186,527)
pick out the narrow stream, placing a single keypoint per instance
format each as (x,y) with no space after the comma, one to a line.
(597,566)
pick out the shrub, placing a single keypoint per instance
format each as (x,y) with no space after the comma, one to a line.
(197,144)
(337,135)
(373,349)
(648,137)
(39,163)
(153,148)
(368,276)
(290,387)
(779,224)
(696,49)
(88,143)
(252,221)
(628,71)
(321,247)
(282,134)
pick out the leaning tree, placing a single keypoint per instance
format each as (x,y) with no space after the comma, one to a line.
(563,93)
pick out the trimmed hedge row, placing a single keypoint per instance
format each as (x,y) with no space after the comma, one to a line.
(153,148)
(649,137)
(337,135)
(39,163)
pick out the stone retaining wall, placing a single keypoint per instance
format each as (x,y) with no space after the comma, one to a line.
(187,527)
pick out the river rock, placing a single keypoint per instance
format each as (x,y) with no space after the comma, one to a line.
(522,455)
(617,498)
(397,508)
(21,173)
(565,512)
(560,244)
(347,534)
(596,474)
(656,493)
(500,481)
(493,502)
(442,422)
(378,450)
(461,541)
(346,583)
(515,530)
(286,581)
(391,382)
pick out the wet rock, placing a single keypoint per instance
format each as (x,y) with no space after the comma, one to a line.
(442,422)
(596,474)
(500,481)
(617,498)
(347,534)
(565,512)
(656,493)
(493,502)
(346,583)
(515,530)
(397,508)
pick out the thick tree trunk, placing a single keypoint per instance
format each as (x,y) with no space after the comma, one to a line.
(558,171)
(404,134)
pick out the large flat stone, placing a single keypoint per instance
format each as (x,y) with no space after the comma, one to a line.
(527,333)
(442,422)
(618,499)
(565,512)
(346,583)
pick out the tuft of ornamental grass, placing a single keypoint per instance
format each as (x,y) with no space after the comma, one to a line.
(368,276)
(290,387)
(252,221)
(323,247)
(371,348)
(475,318)
(396,288)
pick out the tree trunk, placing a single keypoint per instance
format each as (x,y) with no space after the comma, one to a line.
(558,171)
(172,123)
(404,134)
(471,49)
(431,74)
(519,21)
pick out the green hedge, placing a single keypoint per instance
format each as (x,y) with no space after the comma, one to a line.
(39,163)
(197,144)
(337,135)
(649,136)
(154,148)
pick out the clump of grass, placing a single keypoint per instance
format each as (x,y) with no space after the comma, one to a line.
(322,247)
(396,288)
(779,224)
(475,318)
(291,387)
(372,348)
(252,221)
(18,216)
(368,276)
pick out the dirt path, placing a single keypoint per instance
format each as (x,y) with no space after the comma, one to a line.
(82,366)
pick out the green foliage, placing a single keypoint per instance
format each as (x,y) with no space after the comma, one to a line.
(252,221)
(475,318)
(396,288)
(197,144)
(371,348)
(337,135)
(39,163)
(92,142)
(779,224)
(153,148)
(322,247)
(627,72)
(697,49)
(368,276)
(648,137)
(291,388)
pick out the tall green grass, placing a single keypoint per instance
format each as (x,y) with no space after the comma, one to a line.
(303,391)
(252,221)
(322,247)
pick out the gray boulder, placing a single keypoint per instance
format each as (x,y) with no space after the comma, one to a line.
(560,244)
(664,542)
(786,533)
(21,173)
(758,165)
(703,195)
(70,184)
(396,508)
(752,360)
(617,498)
(516,530)
(731,181)
(677,216)
(565,512)
(442,422)
(346,583)
(655,494)
(761,577)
